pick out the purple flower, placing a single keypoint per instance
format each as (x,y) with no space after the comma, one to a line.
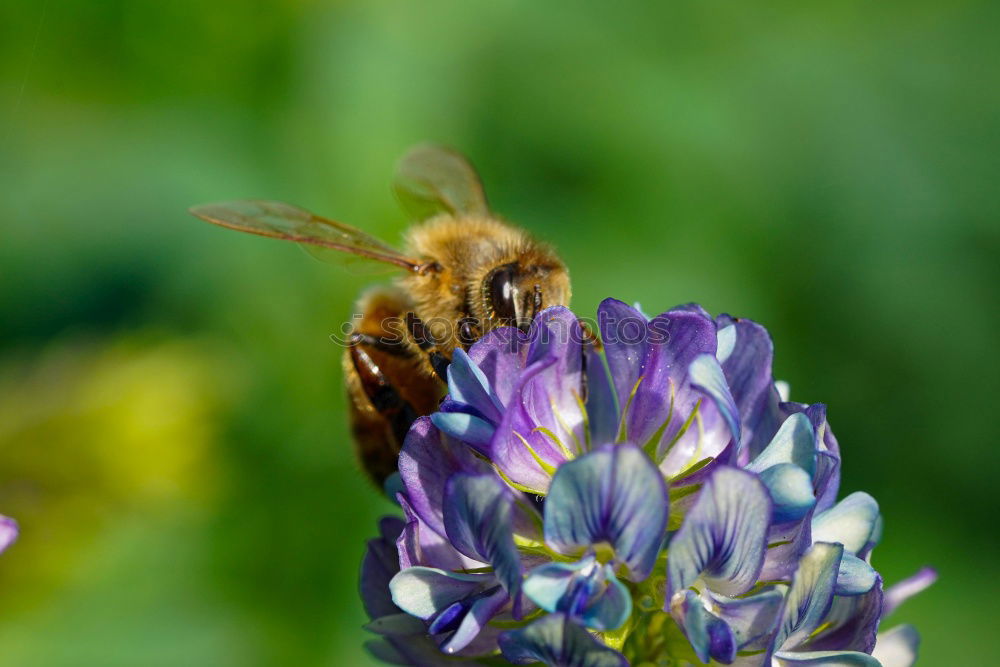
(8,532)
(653,499)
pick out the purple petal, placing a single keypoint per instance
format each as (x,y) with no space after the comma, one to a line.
(723,537)
(826,659)
(826,482)
(554,640)
(748,372)
(902,591)
(379,566)
(501,355)
(478,518)
(552,397)
(898,647)
(659,352)
(676,339)
(411,651)
(419,545)
(8,532)
(787,542)
(752,619)
(852,623)
(810,595)
(623,333)
(426,461)
(524,455)
(468,384)
(613,494)
(602,410)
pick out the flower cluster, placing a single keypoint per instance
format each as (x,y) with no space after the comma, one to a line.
(652,499)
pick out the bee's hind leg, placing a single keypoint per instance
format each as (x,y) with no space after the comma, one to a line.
(389,384)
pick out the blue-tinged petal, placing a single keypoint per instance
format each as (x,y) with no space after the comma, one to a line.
(751,619)
(426,591)
(709,635)
(547,584)
(855,576)
(810,595)
(826,659)
(897,647)
(706,374)
(902,591)
(827,477)
(723,537)
(726,338)
(851,522)
(379,565)
(468,384)
(851,624)
(613,494)
(586,591)
(602,410)
(475,618)
(608,602)
(465,427)
(556,641)
(795,442)
(426,461)
(478,518)
(501,355)
(791,491)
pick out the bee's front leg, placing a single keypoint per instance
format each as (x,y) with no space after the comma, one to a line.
(424,340)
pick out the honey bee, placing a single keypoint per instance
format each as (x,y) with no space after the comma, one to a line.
(466,273)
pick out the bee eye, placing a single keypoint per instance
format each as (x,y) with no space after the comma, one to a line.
(501,293)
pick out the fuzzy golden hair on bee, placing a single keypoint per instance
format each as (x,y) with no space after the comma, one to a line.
(466,272)
(467,252)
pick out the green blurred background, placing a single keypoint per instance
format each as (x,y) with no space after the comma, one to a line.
(172,433)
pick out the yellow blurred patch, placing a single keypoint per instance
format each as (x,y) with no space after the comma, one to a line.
(90,431)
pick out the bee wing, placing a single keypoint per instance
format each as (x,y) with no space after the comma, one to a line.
(432,179)
(291,223)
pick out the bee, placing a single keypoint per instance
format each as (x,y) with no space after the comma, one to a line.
(465,273)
